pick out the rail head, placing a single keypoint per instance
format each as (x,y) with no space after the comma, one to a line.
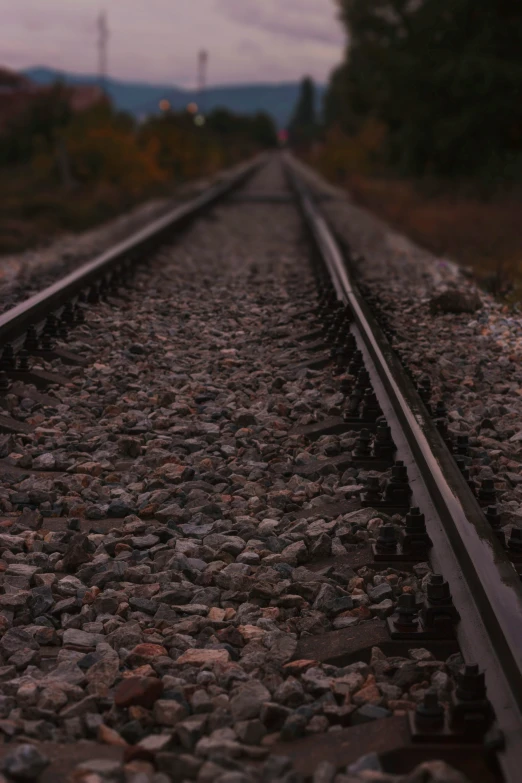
(490,579)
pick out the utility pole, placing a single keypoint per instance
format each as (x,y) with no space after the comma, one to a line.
(202,78)
(103,40)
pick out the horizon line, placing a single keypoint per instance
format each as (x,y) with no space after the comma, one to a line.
(158,84)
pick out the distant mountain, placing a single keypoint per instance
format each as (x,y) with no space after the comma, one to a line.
(139,99)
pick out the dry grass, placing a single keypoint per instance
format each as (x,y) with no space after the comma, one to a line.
(32,212)
(485,235)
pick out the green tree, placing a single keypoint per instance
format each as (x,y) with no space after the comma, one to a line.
(303,126)
(445,76)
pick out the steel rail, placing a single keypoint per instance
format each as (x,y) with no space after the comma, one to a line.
(473,561)
(14,322)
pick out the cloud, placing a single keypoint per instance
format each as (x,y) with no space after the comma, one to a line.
(311,20)
(247,48)
(248,40)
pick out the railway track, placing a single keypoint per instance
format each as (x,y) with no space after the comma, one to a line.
(237,543)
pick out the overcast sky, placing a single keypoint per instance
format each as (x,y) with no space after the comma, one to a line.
(158,40)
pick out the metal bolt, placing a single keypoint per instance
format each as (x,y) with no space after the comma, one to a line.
(47,342)
(514,543)
(345,386)
(63,330)
(51,326)
(387,539)
(461,463)
(93,297)
(471,710)
(416,536)
(31,339)
(406,617)
(353,403)
(424,390)
(493,516)
(8,360)
(356,363)
(373,489)
(471,683)
(438,589)
(371,410)
(23,361)
(79,315)
(462,445)
(442,426)
(429,714)
(68,314)
(487,494)
(363,379)
(494,740)
(440,411)
(363,446)
(398,488)
(383,447)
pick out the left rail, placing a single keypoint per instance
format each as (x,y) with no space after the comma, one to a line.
(104,268)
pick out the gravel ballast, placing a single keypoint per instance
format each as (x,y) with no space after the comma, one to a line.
(160,566)
(450,331)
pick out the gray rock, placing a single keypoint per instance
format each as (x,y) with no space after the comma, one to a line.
(104,768)
(82,639)
(435,772)
(324,773)
(168,712)
(380,593)
(369,762)
(455,301)
(24,763)
(251,732)
(16,639)
(41,600)
(369,712)
(246,701)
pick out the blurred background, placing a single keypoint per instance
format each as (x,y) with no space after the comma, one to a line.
(412,105)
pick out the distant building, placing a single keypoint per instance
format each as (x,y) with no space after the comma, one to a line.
(17,92)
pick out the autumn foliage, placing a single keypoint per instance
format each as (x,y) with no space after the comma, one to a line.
(62,170)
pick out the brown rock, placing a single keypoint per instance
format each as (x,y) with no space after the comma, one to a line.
(200,657)
(146,652)
(77,553)
(142,671)
(139,713)
(102,674)
(251,633)
(368,694)
(231,635)
(216,614)
(455,301)
(300,666)
(140,691)
(362,612)
(110,737)
(168,712)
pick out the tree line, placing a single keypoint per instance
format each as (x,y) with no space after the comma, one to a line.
(441,78)
(104,145)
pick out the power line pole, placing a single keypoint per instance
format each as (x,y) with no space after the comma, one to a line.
(103,40)
(202,77)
